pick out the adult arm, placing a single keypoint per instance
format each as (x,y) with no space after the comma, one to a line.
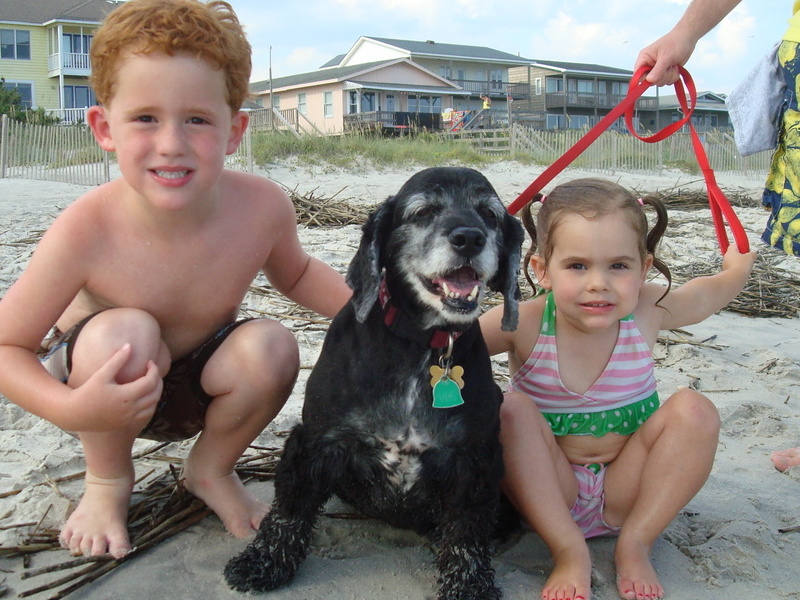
(677,45)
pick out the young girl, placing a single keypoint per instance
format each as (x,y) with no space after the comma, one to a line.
(588,450)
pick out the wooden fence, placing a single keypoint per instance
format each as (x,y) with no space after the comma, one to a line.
(614,151)
(69,153)
(66,153)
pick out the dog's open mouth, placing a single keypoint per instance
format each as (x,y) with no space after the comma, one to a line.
(459,289)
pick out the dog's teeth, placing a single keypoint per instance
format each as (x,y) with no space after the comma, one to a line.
(474,293)
(446,290)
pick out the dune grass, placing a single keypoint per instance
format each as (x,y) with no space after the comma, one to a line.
(354,151)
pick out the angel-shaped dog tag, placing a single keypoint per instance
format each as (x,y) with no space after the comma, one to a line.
(447,383)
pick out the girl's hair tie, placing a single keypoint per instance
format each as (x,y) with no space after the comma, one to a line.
(542,198)
(640,201)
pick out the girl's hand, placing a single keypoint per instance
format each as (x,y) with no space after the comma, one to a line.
(736,261)
(103,404)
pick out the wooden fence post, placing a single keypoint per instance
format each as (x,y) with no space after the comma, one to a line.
(3,145)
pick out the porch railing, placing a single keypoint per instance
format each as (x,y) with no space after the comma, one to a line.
(595,100)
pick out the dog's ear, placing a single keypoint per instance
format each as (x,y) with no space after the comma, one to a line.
(506,280)
(364,272)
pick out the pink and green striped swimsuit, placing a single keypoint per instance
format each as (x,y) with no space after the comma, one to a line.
(621,399)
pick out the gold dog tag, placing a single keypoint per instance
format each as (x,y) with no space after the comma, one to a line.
(447,383)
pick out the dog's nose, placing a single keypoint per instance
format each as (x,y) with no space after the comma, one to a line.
(467,241)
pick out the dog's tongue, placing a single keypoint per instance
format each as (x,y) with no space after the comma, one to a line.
(463,283)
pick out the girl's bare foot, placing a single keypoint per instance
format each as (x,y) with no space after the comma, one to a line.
(239,511)
(100,522)
(783,459)
(571,578)
(636,577)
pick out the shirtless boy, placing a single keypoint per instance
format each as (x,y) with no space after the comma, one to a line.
(142,277)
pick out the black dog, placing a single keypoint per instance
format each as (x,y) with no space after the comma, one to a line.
(384,426)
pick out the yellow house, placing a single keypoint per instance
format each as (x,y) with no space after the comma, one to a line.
(44,52)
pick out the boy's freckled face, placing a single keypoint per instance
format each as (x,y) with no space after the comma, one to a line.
(171,127)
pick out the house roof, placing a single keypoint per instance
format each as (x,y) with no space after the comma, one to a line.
(334,62)
(41,12)
(433,49)
(588,68)
(340,74)
(710,101)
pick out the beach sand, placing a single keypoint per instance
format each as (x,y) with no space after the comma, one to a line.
(725,545)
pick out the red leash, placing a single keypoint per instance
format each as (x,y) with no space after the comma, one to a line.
(716,199)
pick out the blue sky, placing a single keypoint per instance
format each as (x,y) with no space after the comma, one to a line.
(306,34)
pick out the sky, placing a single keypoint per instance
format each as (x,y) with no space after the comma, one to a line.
(298,38)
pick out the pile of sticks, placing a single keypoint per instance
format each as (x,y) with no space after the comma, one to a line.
(159,510)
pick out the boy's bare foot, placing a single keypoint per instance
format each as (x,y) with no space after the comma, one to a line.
(783,459)
(636,577)
(100,522)
(239,511)
(571,577)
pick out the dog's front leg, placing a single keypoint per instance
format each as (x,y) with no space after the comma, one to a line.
(281,543)
(463,544)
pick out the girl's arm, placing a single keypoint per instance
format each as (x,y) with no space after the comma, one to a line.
(497,340)
(699,298)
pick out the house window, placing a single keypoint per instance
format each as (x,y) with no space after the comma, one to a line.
(301,103)
(585,86)
(555,121)
(537,86)
(554,84)
(75,48)
(78,96)
(352,102)
(390,103)
(15,44)
(445,71)
(461,75)
(368,102)
(276,102)
(424,104)
(496,78)
(327,104)
(578,121)
(25,91)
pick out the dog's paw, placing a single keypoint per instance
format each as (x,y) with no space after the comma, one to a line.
(485,591)
(251,571)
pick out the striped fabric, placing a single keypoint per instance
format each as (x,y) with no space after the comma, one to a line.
(628,377)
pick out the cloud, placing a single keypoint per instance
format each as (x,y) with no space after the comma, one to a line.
(565,37)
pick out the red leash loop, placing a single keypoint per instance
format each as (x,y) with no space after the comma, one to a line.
(717,201)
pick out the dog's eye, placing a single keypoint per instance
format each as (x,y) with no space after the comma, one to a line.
(488,215)
(422,213)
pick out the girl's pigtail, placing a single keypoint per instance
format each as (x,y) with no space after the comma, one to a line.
(528,221)
(654,237)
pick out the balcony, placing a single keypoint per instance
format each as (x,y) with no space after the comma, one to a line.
(69,64)
(495,89)
(594,100)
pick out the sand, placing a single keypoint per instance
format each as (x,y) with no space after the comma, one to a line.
(725,545)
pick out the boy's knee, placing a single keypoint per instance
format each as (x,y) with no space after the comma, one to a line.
(267,349)
(106,332)
(118,326)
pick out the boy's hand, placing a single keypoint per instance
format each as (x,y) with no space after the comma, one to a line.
(103,404)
